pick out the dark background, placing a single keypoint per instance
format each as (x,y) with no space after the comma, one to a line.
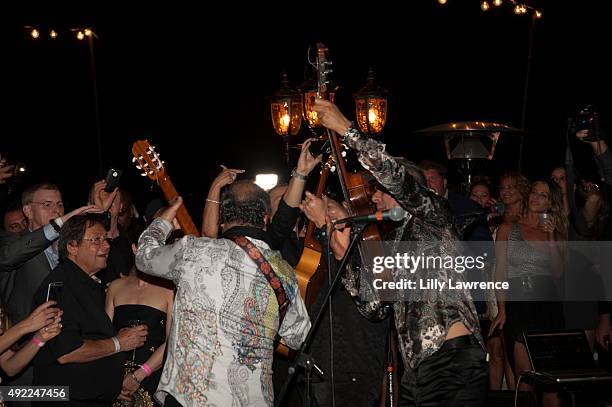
(195,81)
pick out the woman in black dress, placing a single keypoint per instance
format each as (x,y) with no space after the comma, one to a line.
(138,299)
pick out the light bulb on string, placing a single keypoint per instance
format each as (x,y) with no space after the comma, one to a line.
(484,6)
(497,3)
(442,2)
(80,35)
(35,33)
(53,34)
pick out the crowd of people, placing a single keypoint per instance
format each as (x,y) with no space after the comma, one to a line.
(146,316)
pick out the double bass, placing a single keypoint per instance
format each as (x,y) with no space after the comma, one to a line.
(357,192)
(356,189)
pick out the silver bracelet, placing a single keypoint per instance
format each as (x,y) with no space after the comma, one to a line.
(212,200)
(297,175)
(117,344)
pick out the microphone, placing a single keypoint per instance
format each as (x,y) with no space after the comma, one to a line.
(395,214)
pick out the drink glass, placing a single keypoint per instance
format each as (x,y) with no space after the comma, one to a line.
(132,324)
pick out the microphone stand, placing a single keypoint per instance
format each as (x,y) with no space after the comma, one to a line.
(303,359)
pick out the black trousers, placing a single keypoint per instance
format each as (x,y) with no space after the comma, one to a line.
(456,375)
(171,402)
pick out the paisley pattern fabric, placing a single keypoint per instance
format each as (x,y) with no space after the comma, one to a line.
(225,318)
(422,324)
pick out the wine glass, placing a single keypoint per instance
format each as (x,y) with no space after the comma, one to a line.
(132,324)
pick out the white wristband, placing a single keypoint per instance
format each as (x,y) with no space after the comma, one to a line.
(59,221)
(117,344)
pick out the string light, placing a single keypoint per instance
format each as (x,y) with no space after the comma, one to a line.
(80,33)
(519,8)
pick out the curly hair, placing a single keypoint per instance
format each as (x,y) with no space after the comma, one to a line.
(246,203)
(522,185)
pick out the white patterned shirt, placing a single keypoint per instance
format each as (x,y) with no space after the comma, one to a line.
(225,318)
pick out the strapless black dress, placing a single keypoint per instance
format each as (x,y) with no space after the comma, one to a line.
(156,323)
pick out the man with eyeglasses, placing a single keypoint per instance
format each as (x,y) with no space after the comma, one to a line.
(88,354)
(31,255)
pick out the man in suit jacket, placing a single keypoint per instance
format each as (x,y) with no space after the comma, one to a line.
(461,206)
(30,256)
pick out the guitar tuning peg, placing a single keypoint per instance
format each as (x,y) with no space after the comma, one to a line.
(343,154)
(139,167)
(145,165)
(333,168)
(151,172)
(133,159)
(144,174)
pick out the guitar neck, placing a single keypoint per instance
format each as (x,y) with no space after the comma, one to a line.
(336,148)
(183,217)
(310,240)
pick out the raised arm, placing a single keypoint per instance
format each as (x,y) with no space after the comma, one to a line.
(210,217)
(153,256)
(412,195)
(286,216)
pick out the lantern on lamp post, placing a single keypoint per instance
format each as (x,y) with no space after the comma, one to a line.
(309,91)
(286,110)
(371,106)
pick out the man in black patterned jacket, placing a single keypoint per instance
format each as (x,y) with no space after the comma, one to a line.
(438,332)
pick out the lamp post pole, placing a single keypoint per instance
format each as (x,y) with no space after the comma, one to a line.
(92,62)
(526,89)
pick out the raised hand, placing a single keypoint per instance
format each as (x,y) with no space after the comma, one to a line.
(226,176)
(82,210)
(101,198)
(306,162)
(330,116)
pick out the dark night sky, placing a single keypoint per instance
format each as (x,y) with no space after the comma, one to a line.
(195,81)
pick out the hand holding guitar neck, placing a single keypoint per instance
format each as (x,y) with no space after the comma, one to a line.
(330,116)
(170,213)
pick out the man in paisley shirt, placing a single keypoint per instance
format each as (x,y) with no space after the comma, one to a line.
(438,332)
(226,312)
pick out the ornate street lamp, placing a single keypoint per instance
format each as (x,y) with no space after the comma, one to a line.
(371,106)
(286,110)
(309,92)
